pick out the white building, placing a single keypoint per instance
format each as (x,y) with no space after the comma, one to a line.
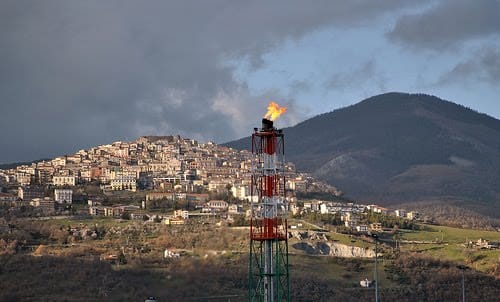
(365,283)
(243,192)
(240,192)
(217,205)
(64,180)
(181,213)
(24,179)
(377,209)
(362,228)
(170,254)
(235,209)
(400,213)
(412,215)
(59,162)
(63,195)
(124,182)
(325,208)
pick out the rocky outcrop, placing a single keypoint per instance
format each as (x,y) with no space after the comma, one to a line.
(334,249)
(315,243)
(347,251)
(307,235)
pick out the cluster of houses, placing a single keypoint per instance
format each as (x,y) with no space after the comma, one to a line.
(162,163)
(204,207)
(58,202)
(351,214)
(483,244)
(151,163)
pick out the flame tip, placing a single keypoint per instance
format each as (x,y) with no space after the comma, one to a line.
(274,111)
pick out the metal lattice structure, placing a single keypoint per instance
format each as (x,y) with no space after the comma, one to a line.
(268,267)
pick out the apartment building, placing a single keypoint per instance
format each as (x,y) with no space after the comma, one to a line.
(63,196)
(30,192)
(64,181)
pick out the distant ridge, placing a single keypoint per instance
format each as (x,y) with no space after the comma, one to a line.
(399,147)
(26,163)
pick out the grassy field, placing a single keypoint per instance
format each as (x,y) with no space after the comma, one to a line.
(351,240)
(448,234)
(344,271)
(450,243)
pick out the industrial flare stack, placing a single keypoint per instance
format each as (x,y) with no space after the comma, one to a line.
(268,267)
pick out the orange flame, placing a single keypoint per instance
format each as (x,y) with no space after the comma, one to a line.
(274,111)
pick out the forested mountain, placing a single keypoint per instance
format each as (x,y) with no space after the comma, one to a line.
(397,148)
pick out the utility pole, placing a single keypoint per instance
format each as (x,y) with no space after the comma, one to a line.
(463,268)
(463,286)
(375,236)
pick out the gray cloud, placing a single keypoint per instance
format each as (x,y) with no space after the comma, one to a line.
(448,24)
(484,66)
(300,86)
(78,73)
(365,73)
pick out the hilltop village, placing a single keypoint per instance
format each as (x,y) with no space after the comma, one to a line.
(163,178)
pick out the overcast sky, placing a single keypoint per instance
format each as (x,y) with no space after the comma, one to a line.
(75,74)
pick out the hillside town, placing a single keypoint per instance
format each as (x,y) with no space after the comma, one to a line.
(155,173)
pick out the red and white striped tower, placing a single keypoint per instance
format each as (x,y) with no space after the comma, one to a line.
(268,268)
